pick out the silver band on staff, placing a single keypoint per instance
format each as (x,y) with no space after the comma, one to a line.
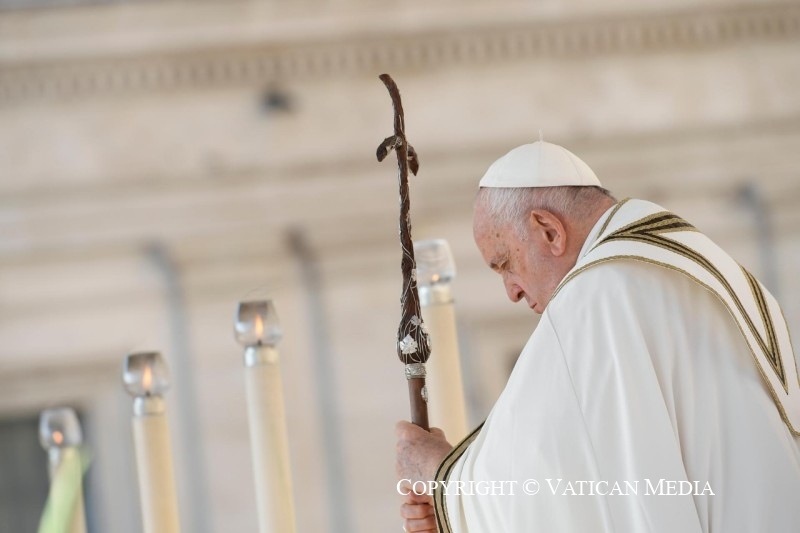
(415,371)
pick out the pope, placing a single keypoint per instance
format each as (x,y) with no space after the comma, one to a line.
(659,391)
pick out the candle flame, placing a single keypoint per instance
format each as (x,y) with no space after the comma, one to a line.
(58,437)
(258,327)
(147,378)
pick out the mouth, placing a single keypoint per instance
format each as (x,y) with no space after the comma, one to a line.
(535,307)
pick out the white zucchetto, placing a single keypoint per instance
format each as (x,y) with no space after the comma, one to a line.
(540,164)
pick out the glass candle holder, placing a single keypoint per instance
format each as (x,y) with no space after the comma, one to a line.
(435,263)
(145,374)
(257,324)
(59,428)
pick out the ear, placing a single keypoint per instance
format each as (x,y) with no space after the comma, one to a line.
(550,229)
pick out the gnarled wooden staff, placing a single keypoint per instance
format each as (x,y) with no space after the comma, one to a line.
(413,343)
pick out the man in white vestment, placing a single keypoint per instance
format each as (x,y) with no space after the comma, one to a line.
(658,393)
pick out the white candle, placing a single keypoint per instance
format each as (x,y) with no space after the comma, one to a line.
(60,434)
(257,328)
(145,377)
(435,271)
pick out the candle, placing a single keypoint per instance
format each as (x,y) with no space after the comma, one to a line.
(146,379)
(60,435)
(258,330)
(435,271)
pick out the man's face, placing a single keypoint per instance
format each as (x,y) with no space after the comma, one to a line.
(523,258)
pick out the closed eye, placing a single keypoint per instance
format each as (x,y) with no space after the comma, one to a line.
(498,266)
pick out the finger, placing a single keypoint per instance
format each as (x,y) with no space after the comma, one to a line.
(402,427)
(405,430)
(438,432)
(410,494)
(418,525)
(416,511)
(414,498)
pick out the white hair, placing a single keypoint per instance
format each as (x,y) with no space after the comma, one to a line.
(510,206)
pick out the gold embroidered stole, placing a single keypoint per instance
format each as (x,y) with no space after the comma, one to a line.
(644,231)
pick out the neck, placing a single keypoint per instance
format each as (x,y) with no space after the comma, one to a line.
(582,227)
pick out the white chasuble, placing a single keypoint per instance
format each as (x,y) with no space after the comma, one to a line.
(659,393)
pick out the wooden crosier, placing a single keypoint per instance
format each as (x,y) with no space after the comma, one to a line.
(413,343)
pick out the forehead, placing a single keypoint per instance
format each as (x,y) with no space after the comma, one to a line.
(483,223)
(491,238)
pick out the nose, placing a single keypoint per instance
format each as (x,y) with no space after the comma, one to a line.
(514,291)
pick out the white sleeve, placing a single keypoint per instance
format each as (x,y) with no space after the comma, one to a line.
(533,438)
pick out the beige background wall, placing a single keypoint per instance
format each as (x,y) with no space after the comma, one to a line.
(156,155)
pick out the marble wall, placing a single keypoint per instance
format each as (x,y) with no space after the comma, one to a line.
(157,157)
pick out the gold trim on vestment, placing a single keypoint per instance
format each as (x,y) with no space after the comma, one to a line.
(774,352)
(789,337)
(657,223)
(442,473)
(610,216)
